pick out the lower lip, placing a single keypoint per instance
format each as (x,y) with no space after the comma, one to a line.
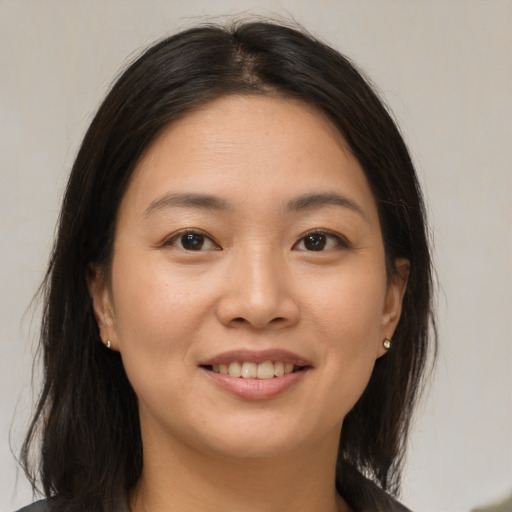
(257,389)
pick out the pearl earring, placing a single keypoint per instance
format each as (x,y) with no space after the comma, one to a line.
(387,343)
(108,344)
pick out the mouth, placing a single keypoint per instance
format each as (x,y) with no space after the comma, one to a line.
(256,375)
(252,370)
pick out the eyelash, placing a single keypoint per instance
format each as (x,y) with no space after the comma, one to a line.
(179,236)
(339,241)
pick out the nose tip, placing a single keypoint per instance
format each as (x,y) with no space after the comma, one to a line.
(258,295)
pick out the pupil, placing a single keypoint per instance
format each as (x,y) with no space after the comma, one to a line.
(315,242)
(192,241)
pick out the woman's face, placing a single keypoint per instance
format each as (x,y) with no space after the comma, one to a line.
(248,242)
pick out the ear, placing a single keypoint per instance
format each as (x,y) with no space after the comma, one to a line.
(102,305)
(393,303)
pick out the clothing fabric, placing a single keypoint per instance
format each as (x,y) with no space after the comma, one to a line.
(369,497)
(373,500)
(38,506)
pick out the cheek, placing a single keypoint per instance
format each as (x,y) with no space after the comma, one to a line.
(157,312)
(157,316)
(149,295)
(348,305)
(347,316)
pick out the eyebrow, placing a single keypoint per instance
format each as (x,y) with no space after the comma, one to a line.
(320,200)
(209,202)
(187,200)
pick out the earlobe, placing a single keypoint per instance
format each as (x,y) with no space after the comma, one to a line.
(393,303)
(102,305)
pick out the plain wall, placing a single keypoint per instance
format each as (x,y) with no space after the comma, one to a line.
(444,67)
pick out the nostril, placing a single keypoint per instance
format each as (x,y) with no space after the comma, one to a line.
(275,321)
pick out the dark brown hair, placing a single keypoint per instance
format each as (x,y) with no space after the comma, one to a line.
(87,416)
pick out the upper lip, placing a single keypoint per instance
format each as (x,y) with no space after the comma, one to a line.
(256,356)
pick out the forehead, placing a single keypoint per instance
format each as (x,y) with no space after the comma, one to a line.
(250,121)
(250,149)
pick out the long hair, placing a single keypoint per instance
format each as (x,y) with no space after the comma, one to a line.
(87,416)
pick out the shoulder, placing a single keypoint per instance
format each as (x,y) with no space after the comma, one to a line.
(385,501)
(38,506)
(371,497)
(363,495)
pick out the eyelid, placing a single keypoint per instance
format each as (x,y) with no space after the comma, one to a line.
(171,239)
(341,240)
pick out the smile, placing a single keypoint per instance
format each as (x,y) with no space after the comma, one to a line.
(256,375)
(250,370)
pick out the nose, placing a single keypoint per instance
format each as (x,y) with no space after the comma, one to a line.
(258,292)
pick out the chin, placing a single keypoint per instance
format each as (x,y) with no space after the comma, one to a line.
(264,437)
(262,445)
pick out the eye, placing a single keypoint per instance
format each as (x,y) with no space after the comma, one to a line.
(320,241)
(192,241)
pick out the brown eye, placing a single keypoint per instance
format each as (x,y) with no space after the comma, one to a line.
(315,242)
(320,241)
(192,241)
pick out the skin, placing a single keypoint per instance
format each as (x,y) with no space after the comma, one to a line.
(254,285)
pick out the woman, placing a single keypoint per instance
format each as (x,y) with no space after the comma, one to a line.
(239,297)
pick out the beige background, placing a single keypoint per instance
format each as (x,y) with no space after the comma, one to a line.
(445,67)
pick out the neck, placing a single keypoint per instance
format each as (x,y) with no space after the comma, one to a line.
(180,478)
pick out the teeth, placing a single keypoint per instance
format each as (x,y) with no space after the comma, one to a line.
(265,370)
(250,370)
(235,369)
(278,368)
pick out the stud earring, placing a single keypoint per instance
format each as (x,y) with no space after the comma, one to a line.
(108,344)
(387,343)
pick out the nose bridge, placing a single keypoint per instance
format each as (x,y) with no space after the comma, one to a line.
(257,291)
(261,271)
